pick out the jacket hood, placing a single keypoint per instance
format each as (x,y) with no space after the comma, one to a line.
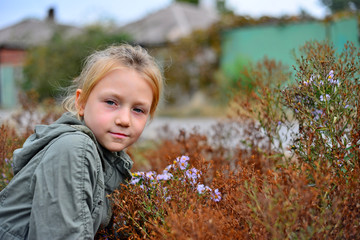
(68,122)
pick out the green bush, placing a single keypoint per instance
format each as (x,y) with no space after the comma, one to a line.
(326,106)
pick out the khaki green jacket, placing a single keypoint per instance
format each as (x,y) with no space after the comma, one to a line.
(62,177)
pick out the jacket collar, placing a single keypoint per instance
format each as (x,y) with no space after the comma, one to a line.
(120,160)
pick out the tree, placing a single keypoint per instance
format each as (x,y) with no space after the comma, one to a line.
(51,68)
(341,5)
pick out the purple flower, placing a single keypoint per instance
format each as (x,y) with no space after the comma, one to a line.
(331,79)
(138,174)
(134,181)
(168,168)
(216,195)
(200,188)
(165,176)
(150,175)
(330,75)
(183,162)
(308,82)
(326,98)
(334,82)
(193,174)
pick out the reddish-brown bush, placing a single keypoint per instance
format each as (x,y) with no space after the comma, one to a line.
(303,189)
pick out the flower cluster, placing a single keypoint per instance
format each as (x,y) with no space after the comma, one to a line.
(315,79)
(180,170)
(315,100)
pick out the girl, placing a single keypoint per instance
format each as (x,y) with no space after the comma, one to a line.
(65,170)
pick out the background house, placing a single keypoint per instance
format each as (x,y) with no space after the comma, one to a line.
(170,24)
(15,40)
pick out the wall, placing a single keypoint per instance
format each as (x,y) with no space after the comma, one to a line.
(251,44)
(11,61)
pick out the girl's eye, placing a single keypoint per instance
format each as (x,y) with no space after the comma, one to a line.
(138,110)
(109,102)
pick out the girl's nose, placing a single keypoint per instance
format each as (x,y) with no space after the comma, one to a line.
(123,118)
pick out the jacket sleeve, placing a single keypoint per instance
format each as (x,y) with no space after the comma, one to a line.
(63,186)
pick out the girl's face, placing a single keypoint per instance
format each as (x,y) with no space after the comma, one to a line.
(117,108)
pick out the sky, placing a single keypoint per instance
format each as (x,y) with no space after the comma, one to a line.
(80,13)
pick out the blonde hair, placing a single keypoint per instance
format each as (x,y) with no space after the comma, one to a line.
(100,63)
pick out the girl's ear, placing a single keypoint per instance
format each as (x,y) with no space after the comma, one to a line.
(79,106)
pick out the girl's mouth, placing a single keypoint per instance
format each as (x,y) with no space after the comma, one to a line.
(119,135)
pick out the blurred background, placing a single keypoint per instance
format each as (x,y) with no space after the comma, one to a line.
(203,45)
(281,144)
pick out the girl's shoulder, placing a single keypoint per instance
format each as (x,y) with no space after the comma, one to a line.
(76,140)
(71,150)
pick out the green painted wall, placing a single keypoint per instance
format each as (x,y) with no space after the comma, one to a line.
(8,93)
(251,44)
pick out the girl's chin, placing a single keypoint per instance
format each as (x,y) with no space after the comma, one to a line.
(114,147)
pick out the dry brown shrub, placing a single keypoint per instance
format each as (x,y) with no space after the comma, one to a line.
(20,126)
(265,194)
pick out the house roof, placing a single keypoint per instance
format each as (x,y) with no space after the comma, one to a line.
(32,32)
(170,24)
